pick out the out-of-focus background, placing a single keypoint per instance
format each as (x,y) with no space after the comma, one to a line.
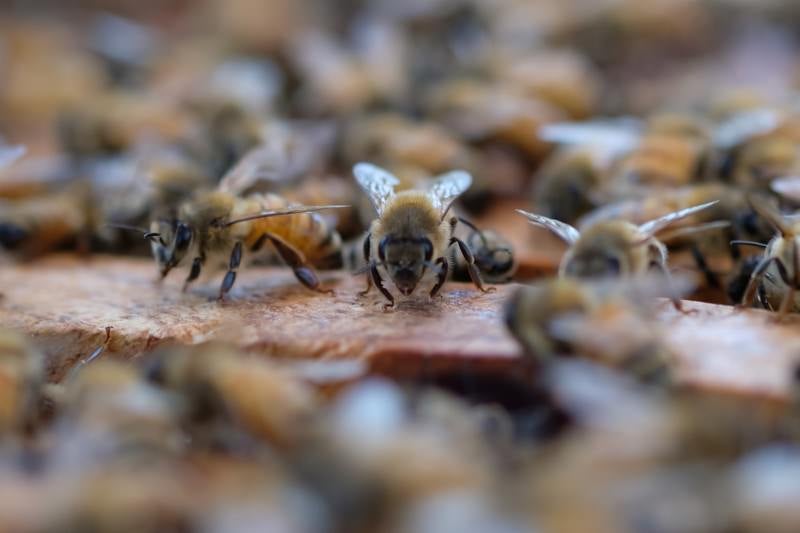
(115,114)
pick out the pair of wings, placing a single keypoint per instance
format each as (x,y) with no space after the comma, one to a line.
(570,235)
(379,185)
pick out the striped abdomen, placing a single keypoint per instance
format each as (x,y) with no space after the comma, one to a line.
(307,232)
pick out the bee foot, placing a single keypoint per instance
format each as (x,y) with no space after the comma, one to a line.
(388,307)
(488,289)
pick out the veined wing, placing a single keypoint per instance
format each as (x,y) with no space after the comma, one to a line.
(562,230)
(378,183)
(444,189)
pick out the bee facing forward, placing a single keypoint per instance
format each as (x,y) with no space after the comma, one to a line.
(413,231)
(219,222)
(613,248)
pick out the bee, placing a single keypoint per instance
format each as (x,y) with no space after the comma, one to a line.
(219,384)
(604,320)
(613,248)
(222,221)
(494,256)
(776,277)
(413,231)
(565,183)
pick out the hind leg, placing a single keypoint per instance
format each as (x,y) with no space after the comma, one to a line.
(293,257)
(474,275)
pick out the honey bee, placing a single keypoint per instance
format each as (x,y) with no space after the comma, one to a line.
(413,231)
(776,277)
(219,383)
(604,320)
(494,256)
(565,184)
(613,248)
(213,223)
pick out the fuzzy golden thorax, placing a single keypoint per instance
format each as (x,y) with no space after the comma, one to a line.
(409,235)
(609,249)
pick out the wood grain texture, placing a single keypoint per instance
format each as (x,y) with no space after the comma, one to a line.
(65,303)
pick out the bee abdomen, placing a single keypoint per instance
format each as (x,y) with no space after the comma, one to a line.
(307,232)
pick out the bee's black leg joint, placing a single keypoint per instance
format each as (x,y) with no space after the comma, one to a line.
(441,276)
(230,275)
(367,257)
(194,273)
(293,257)
(376,278)
(474,275)
(755,279)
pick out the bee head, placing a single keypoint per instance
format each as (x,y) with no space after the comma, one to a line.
(405,260)
(594,262)
(170,240)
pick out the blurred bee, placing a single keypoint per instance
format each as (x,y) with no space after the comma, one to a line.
(565,184)
(494,256)
(22,375)
(776,277)
(219,384)
(600,319)
(218,222)
(412,232)
(756,147)
(613,248)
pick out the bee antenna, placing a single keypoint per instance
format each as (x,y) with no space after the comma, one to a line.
(748,243)
(148,235)
(280,212)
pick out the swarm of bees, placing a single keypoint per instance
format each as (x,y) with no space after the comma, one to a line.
(438,149)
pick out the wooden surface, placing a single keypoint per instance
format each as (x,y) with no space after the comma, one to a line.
(65,303)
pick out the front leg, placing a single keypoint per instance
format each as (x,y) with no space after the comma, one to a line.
(194,273)
(230,275)
(474,274)
(293,257)
(376,278)
(441,276)
(755,280)
(367,258)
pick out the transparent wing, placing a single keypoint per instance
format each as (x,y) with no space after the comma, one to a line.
(444,189)
(745,125)
(771,214)
(561,229)
(290,151)
(377,183)
(264,163)
(654,226)
(9,154)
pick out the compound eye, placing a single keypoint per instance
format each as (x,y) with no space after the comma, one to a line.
(612,265)
(382,248)
(428,246)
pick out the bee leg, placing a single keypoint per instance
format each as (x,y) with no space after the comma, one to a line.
(676,301)
(786,303)
(376,278)
(367,257)
(197,266)
(754,282)
(294,258)
(711,277)
(441,276)
(230,275)
(474,275)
